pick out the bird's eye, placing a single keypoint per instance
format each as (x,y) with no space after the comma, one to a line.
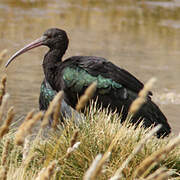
(59,36)
(47,35)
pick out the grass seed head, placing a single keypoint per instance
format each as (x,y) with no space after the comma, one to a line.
(156,174)
(51,108)
(147,87)
(57,108)
(5,152)
(5,127)
(164,175)
(118,174)
(29,115)
(47,173)
(141,99)
(156,156)
(88,94)
(3,87)
(88,174)
(3,173)
(26,127)
(74,138)
(3,105)
(26,149)
(3,54)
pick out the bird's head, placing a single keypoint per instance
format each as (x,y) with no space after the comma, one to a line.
(53,38)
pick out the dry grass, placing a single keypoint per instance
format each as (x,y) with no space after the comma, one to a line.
(53,108)
(122,152)
(98,148)
(89,92)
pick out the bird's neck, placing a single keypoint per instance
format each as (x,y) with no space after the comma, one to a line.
(50,64)
(52,57)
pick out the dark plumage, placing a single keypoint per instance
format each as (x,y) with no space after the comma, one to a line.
(116,88)
(46,96)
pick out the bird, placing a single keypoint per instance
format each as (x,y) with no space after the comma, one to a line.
(116,87)
(47,94)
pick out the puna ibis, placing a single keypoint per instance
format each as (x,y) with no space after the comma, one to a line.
(116,87)
(46,96)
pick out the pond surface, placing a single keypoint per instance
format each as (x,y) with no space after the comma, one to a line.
(143,37)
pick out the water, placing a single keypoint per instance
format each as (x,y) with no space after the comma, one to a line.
(142,37)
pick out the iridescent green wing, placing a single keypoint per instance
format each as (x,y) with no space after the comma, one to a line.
(77,79)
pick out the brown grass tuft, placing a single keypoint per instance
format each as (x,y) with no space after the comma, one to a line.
(164,175)
(56,113)
(73,146)
(156,174)
(74,138)
(2,55)
(138,102)
(3,105)
(5,127)
(92,168)
(156,157)
(47,173)
(3,87)
(29,116)
(3,173)
(26,148)
(52,106)
(99,165)
(86,96)
(29,158)
(118,174)
(26,127)
(5,153)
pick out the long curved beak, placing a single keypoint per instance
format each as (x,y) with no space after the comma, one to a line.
(34,44)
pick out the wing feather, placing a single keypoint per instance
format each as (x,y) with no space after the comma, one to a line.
(99,66)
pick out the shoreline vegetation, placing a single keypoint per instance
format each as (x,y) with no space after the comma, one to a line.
(99,147)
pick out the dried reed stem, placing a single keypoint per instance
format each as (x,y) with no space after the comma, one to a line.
(26,148)
(3,173)
(89,92)
(147,87)
(29,159)
(46,173)
(26,127)
(73,144)
(105,157)
(2,55)
(91,169)
(118,173)
(3,105)
(2,87)
(69,151)
(100,163)
(51,107)
(5,127)
(74,138)
(156,157)
(29,115)
(57,108)
(5,152)
(164,175)
(156,174)
(141,99)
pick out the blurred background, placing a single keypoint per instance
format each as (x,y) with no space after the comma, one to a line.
(141,36)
